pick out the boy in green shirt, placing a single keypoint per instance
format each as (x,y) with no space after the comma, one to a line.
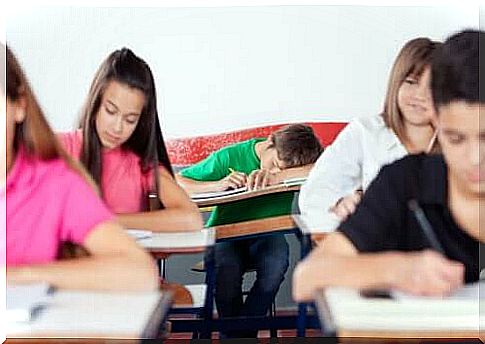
(256,163)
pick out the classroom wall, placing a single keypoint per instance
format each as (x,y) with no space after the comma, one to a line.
(226,68)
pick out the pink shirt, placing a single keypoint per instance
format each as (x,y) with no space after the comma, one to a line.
(47,203)
(123,184)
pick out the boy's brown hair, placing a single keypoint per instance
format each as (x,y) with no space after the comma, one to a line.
(296,145)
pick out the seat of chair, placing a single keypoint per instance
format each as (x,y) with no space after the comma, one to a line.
(196,297)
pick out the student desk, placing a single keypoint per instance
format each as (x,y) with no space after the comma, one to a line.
(97,317)
(353,318)
(163,244)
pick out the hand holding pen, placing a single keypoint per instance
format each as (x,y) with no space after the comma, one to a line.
(428,272)
(233,180)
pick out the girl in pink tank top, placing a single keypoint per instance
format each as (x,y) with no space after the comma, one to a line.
(120,143)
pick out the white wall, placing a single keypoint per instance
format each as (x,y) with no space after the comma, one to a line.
(223,68)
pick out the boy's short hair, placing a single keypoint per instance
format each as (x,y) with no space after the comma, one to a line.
(455,69)
(296,145)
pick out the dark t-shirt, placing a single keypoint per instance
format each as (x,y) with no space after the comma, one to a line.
(384,222)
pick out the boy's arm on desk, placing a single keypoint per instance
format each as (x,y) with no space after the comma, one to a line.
(293,172)
(234,180)
(262,178)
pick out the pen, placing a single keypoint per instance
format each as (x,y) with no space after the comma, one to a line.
(231,170)
(425,226)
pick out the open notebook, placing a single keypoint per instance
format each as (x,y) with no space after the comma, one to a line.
(215,194)
(25,301)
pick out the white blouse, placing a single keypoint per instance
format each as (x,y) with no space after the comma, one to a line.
(351,162)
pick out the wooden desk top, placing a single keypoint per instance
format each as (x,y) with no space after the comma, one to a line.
(253,227)
(95,317)
(206,202)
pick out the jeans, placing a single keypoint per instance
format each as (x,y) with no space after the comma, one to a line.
(269,256)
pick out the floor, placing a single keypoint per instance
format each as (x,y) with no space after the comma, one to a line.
(263,336)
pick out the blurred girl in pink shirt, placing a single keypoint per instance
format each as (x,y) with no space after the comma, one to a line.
(120,142)
(50,199)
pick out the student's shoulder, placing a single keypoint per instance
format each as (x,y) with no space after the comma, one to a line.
(60,175)
(241,145)
(235,149)
(414,166)
(371,124)
(71,141)
(365,128)
(74,137)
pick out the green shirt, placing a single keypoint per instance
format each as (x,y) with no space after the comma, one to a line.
(240,157)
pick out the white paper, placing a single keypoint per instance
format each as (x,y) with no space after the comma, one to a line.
(174,240)
(139,234)
(216,194)
(23,301)
(351,311)
(467,292)
(98,314)
(294,181)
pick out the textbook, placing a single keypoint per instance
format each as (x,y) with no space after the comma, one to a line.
(25,301)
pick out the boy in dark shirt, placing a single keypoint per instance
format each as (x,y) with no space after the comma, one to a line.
(382,245)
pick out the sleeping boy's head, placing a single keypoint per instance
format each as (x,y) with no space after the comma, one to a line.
(291,146)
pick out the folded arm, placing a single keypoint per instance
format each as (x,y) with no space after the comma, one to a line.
(115,263)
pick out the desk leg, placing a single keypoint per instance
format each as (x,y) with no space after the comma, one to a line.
(209,298)
(305,247)
(162,267)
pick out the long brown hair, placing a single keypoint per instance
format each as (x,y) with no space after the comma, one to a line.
(34,134)
(413,58)
(146,142)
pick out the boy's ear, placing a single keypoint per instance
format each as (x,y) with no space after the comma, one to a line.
(270,139)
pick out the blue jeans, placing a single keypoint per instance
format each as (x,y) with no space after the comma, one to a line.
(269,256)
